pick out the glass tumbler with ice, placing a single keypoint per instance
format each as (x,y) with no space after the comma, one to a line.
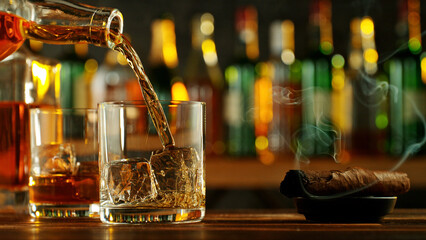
(142,181)
(64,175)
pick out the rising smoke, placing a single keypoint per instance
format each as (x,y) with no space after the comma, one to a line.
(324,134)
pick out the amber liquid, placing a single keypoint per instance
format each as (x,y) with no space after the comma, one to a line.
(153,104)
(11,35)
(64,189)
(14,30)
(14,145)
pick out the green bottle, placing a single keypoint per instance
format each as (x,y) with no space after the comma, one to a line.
(72,70)
(240,78)
(316,136)
(405,80)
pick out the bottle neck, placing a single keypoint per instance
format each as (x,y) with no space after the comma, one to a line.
(321,32)
(111,22)
(408,28)
(355,51)
(276,39)
(163,44)
(52,21)
(282,41)
(368,42)
(202,39)
(247,33)
(197,36)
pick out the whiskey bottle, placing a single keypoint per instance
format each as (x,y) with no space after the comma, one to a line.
(204,80)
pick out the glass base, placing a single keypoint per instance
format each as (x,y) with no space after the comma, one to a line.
(63,211)
(143,215)
(14,201)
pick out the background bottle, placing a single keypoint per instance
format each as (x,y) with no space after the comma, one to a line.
(285,74)
(422,99)
(204,80)
(240,77)
(341,109)
(371,106)
(405,79)
(354,67)
(317,133)
(72,72)
(163,58)
(263,112)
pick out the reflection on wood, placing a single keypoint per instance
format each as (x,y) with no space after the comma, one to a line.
(248,224)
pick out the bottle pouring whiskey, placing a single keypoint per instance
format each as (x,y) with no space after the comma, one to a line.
(68,22)
(57,22)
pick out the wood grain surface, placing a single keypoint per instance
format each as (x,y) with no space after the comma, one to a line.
(250,224)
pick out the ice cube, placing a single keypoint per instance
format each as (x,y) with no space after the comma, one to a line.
(56,159)
(175,169)
(130,181)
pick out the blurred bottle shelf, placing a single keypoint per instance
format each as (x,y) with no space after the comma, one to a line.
(250,173)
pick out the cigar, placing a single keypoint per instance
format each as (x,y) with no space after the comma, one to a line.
(354,181)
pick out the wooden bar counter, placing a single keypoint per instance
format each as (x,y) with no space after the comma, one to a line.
(241,224)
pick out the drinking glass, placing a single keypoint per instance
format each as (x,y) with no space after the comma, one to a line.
(64,173)
(142,181)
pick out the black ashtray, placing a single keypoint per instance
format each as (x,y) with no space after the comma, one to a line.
(346,209)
